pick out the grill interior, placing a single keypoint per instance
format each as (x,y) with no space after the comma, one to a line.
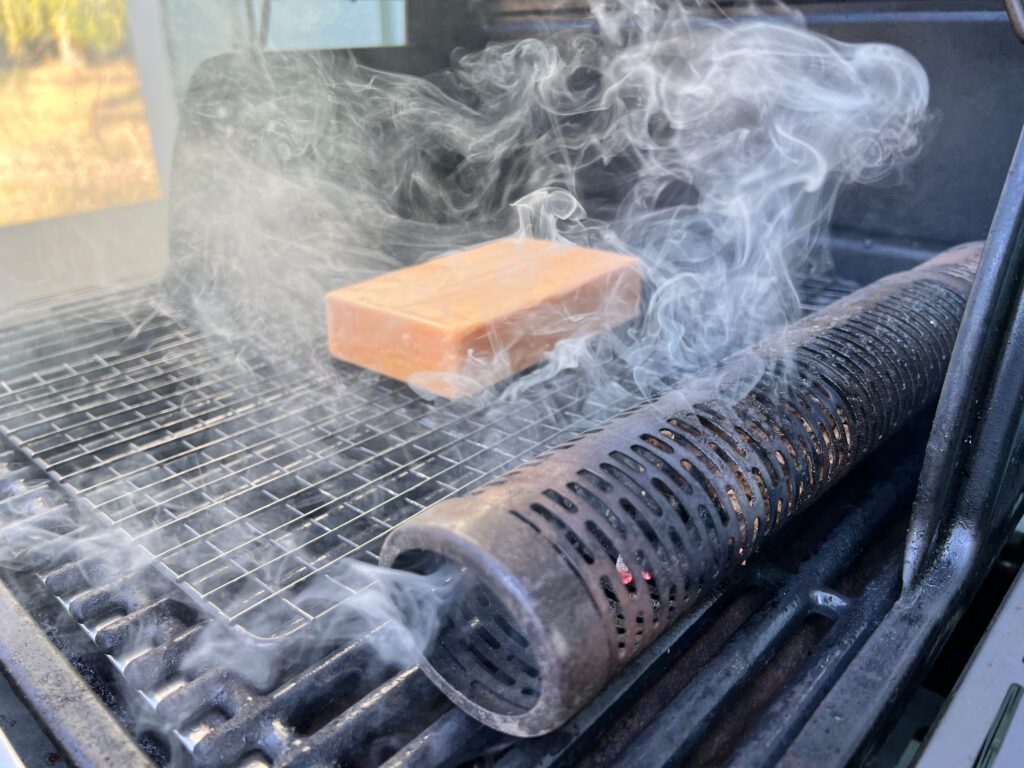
(132,640)
(766,654)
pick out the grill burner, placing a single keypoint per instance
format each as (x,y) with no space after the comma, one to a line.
(580,560)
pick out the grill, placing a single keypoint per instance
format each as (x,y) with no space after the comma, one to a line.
(251,481)
(190,627)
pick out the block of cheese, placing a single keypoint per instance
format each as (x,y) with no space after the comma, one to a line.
(464,321)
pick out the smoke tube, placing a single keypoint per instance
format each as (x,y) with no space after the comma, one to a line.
(576,562)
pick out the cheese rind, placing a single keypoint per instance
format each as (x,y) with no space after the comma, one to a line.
(469,319)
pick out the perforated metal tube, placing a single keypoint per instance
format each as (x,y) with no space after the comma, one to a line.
(577,561)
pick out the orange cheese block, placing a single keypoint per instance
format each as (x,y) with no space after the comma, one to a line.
(464,321)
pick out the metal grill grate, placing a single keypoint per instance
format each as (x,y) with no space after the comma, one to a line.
(253,484)
(250,483)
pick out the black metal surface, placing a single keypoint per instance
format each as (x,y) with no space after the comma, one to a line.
(925,205)
(580,559)
(982,393)
(973,59)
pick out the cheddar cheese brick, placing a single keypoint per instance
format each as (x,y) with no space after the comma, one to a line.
(469,319)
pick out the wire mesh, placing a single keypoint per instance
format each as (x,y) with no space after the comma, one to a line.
(253,484)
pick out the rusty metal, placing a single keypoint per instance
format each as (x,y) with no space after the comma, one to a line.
(575,563)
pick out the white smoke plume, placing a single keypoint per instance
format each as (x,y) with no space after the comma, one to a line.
(712,149)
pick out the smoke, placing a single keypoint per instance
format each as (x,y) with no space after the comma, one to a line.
(710,148)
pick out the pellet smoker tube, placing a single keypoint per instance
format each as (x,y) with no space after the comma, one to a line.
(576,562)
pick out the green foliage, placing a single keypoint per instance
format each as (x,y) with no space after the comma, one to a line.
(64,27)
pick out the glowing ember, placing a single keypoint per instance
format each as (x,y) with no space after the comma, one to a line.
(624,573)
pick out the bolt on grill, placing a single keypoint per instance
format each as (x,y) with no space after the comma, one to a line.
(578,561)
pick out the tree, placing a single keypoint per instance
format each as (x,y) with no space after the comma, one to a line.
(65,27)
(23,22)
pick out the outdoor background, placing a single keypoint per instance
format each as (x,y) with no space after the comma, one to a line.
(73,131)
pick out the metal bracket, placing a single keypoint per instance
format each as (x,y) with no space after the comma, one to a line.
(975,431)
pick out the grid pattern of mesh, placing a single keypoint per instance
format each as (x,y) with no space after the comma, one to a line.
(252,484)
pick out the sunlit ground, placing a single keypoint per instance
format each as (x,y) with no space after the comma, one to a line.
(72,140)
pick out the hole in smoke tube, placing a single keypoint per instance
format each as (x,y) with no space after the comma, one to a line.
(479,648)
